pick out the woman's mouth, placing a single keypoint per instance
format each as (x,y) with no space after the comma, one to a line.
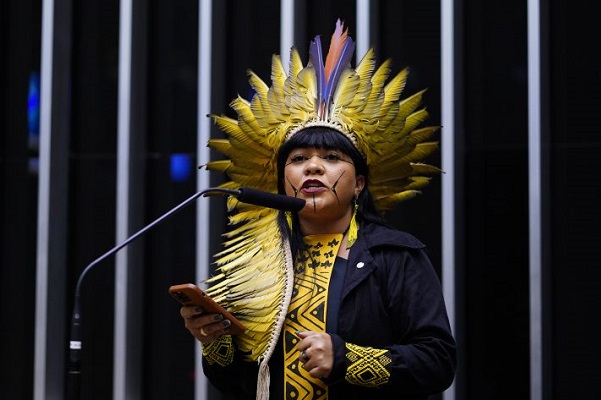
(313,186)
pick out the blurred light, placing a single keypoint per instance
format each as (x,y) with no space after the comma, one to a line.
(33,111)
(181,167)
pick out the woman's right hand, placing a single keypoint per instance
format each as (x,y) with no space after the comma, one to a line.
(204,327)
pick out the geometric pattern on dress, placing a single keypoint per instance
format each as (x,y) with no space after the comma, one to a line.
(307,312)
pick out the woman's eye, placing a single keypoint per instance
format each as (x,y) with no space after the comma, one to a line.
(332,157)
(297,158)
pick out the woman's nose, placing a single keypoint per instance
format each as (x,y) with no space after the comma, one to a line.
(314,165)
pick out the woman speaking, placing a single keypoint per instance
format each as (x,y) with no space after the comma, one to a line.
(336,304)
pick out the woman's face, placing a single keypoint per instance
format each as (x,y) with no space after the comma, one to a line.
(326,179)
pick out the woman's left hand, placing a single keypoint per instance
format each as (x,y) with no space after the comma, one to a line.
(316,353)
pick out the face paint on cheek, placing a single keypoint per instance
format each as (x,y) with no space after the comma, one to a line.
(336,184)
(293,187)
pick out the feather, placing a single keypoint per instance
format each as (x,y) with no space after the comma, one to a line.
(388,202)
(376,96)
(394,88)
(392,93)
(248,282)
(256,83)
(275,95)
(414,120)
(403,145)
(295,67)
(403,172)
(305,82)
(240,139)
(316,60)
(364,70)
(246,118)
(338,58)
(410,104)
(336,45)
(221,145)
(367,65)
(260,104)
(346,90)
(219,165)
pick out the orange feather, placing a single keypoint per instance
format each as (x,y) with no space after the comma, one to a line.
(337,43)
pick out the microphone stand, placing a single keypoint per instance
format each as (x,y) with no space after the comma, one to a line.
(74,370)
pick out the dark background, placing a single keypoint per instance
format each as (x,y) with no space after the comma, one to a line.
(492,268)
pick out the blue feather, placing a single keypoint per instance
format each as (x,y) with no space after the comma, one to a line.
(342,62)
(316,55)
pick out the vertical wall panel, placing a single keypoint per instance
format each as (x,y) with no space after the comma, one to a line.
(122,368)
(448,83)
(52,202)
(203,224)
(129,294)
(287,24)
(535,200)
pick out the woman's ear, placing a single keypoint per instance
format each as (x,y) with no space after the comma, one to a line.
(359,185)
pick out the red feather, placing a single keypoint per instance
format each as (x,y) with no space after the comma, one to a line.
(336,46)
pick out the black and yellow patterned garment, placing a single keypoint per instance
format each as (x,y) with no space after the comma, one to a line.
(367,366)
(308,312)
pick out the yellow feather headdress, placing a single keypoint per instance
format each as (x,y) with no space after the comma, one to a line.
(255,272)
(359,103)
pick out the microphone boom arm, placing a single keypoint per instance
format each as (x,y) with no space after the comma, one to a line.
(185,203)
(244,195)
(74,371)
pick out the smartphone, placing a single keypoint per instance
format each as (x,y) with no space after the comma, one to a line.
(189,294)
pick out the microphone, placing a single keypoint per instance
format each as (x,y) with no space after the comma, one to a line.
(270,200)
(245,195)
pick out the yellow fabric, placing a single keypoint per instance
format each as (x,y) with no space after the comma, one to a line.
(308,312)
(367,366)
(220,351)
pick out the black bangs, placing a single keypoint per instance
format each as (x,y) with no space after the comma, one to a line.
(321,138)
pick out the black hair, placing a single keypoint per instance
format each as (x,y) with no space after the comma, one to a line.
(329,139)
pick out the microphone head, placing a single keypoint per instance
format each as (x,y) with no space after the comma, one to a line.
(270,200)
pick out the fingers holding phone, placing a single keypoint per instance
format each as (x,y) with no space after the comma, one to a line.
(205,319)
(205,327)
